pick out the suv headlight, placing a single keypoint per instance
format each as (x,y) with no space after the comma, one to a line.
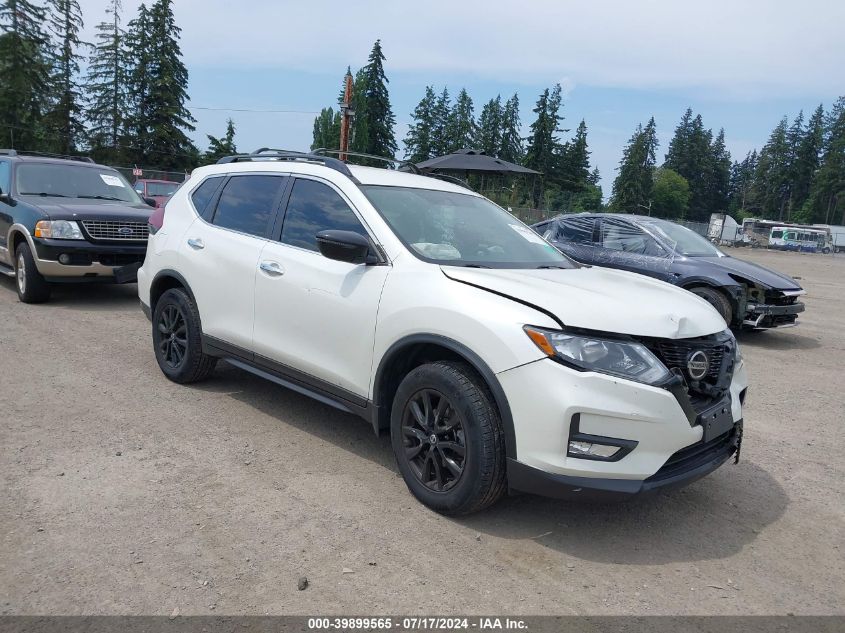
(626,359)
(58,230)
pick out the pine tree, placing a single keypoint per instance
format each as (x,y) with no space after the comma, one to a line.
(460,125)
(575,161)
(327,130)
(690,154)
(544,148)
(64,119)
(440,144)
(139,75)
(359,138)
(770,192)
(488,136)
(632,188)
(377,115)
(418,141)
(806,160)
(742,179)
(720,176)
(24,73)
(105,86)
(826,203)
(511,144)
(224,146)
(169,118)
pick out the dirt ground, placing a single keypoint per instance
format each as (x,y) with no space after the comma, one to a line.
(123,493)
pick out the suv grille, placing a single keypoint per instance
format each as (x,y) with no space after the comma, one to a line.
(116,230)
(676,353)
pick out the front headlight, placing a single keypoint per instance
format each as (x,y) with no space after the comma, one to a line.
(58,230)
(626,359)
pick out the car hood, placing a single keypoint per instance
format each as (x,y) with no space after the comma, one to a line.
(601,299)
(60,209)
(750,270)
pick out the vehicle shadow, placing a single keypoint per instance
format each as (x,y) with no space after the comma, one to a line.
(100,297)
(779,340)
(711,519)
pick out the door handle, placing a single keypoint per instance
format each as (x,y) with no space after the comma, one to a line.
(196,243)
(273,269)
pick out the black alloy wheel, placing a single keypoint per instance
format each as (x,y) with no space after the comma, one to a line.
(173,336)
(434,440)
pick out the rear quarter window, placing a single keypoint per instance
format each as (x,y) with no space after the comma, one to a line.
(202,196)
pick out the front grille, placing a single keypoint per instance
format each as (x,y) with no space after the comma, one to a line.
(692,457)
(120,231)
(676,353)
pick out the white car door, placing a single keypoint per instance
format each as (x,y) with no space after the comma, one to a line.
(313,315)
(219,256)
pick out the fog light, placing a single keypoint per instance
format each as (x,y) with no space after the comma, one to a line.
(581,449)
(64,258)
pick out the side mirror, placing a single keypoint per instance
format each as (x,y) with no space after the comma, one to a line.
(150,201)
(346,246)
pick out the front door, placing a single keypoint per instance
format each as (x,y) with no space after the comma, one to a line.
(315,315)
(626,246)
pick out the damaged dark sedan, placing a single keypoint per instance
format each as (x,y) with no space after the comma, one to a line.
(747,295)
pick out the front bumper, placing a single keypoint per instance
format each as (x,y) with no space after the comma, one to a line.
(761,315)
(545,397)
(87,261)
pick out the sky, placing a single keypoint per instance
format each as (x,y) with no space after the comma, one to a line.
(271,65)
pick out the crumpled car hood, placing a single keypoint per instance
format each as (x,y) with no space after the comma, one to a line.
(754,272)
(601,299)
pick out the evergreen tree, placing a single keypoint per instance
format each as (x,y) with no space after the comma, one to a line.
(64,119)
(488,136)
(544,148)
(741,181)
(460,125)
(770,192)
(24,73)
(105,86)
(632,188)
(224,146)
(575,161)
(359,137)
(327,129)
(440,144)
(826,203)
(806,160)
(690,154)
(139,75)
(720,177)
(169,118)
(377,117)
(418,142)
(510,148)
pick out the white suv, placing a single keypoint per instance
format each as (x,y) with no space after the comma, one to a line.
(495,362)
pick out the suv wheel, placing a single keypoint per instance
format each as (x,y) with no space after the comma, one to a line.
(177,338)
(447,438)
(32,287)
(717,300)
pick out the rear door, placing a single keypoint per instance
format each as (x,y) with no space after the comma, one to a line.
(314,315)
(626,246)
(219,253)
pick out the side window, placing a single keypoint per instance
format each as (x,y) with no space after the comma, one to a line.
(315,207)
(247,204)
(576,230)
(203,194)
(139,187)
(5,176)
(618,235)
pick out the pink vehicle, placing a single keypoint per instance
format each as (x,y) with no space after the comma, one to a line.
(158,190)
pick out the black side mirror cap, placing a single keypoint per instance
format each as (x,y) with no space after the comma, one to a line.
(150,201)
(346,246)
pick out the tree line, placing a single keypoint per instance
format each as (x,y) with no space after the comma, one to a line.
(129,107)
(797,176)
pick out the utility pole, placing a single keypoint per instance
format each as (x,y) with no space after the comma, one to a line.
(347,113)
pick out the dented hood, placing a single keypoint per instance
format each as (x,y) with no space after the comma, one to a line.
(755,272)
(601,299)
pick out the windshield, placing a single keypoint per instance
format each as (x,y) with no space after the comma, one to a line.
(161,188)
(456,229)
(73,181)
(686,241)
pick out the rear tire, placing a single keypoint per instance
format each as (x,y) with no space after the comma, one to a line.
(447,438)
(31,285)
(716,299)
(177,338)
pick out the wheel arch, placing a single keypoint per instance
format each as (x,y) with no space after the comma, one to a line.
(164,281)
(416,349)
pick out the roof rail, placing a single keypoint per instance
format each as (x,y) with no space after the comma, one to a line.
(267,153)
(19,152)
(397,161)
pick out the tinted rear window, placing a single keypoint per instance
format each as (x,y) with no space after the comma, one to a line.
(247,203)
(204,193)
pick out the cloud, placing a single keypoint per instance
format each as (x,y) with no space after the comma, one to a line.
(732,49)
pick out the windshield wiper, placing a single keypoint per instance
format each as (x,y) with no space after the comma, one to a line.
(475,266)
(44,194)
(549,266)
(101,198)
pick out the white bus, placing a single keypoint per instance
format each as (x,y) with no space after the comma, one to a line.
(790,238)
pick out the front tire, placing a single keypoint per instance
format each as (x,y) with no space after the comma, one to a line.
(447,438)
(177,338)
(717,300)
(31,285)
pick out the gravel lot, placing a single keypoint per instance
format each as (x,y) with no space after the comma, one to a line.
(123,493)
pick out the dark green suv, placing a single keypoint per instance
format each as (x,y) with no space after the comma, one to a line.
(67,219)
